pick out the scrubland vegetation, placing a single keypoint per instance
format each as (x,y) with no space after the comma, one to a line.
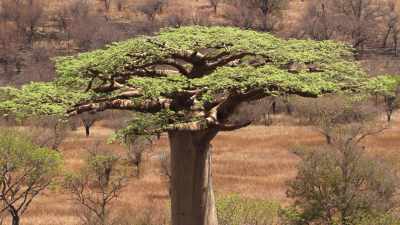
(113,112)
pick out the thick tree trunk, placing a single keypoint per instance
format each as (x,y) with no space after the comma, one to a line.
(192,195)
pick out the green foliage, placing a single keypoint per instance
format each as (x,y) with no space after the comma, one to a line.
(337,185)
(19,156)
(118,57)
(37,99)
(384,85)
(25,171)
(384,219)
(101,170)
(235,210)
(77,76)
(145,125)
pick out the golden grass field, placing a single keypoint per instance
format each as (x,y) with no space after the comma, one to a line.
(254,162)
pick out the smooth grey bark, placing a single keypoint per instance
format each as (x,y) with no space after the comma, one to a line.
(192,196)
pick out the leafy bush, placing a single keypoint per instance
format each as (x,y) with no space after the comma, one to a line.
(384,219)
(25,171)
(341,186)
(235,210)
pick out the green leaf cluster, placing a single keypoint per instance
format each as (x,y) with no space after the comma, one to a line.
(236,210)
(335,71)
(25,162)
(36,99)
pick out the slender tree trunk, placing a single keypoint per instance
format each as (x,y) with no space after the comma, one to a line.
(386,37)
(328,139)
(15,220)
(192,195)
(15,217)
(389,116)
(87,131)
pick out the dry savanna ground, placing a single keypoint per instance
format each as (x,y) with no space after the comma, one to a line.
(254,162)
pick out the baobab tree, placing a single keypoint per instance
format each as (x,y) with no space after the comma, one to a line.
(188,81)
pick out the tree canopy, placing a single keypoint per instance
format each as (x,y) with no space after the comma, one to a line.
(191,77)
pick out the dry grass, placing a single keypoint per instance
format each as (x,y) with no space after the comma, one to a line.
(254,162)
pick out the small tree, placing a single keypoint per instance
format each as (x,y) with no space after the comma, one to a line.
(165,168)
(214,4)
(266,12)
(88,120)
(331,113)
(25,15)
(107,4)
(25,171)
(271,11)
(47,131)
(137,145)
(151,8)
(96,185)
(356,21)
(392,22)
(341,185)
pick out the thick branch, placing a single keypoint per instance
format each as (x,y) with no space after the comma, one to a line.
(148,106)
(228,59)
(232,127)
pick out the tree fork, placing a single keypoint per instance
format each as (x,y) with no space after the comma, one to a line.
(193,201)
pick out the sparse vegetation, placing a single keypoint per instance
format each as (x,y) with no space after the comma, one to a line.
(96,185)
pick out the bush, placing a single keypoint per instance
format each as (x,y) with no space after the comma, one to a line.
(96,186)
(341,185)
(25,171)
(234,210)
(384,219)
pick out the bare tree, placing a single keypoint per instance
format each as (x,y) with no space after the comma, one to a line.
(266,12)
(10,59)
(201,18)
(331,114)
(88,120)
(49,131)
(318,22)
(392,21)
(214,4)
(107,4)
(120,4)
(356,21)
(151,8)
(271,12)
(25,15)
(177,17)
(240,16)
(137,145)
(96,185)
(391,104)
(165,168)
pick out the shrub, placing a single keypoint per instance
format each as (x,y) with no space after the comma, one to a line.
(341,185)
(235,210)
(25,171)
(96,186)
